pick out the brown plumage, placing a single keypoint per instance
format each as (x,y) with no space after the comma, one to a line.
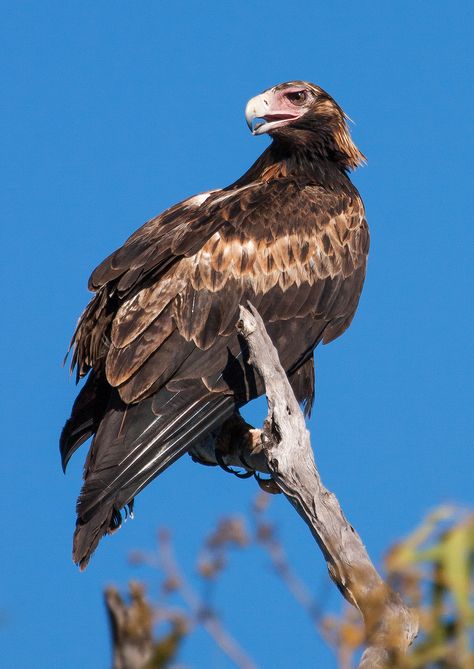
(158,340)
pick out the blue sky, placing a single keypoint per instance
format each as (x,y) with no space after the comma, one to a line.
(112,111)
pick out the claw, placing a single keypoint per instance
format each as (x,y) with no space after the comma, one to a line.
(245,463)
(195,458)
(221,463)
(267,485)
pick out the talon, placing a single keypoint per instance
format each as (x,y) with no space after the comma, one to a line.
(267,485)
(246,464)
(195,458)
(221,463)
(242,475)
(229,470)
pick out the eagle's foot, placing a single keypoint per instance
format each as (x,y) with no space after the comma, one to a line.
(229,470)
(235,445)
(231,442)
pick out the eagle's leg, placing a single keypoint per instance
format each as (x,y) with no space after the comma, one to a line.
(236,442)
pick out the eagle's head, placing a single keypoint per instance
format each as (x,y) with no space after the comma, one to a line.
(304,114)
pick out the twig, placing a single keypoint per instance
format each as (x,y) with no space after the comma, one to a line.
(390,625)
(265,535)
(206,618)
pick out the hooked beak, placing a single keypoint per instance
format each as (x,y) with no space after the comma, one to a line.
(261,117)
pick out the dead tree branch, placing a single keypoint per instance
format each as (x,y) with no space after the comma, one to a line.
(134,645)
(285,444)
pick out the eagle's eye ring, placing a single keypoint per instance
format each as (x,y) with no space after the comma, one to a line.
(297,97)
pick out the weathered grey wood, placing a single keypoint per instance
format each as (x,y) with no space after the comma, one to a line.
(390,625)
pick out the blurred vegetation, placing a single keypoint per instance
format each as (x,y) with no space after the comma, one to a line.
(432,569)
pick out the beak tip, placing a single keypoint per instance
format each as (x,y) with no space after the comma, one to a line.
(255,108)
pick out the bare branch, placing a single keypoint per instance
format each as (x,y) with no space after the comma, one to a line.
(206,618)
(390,625)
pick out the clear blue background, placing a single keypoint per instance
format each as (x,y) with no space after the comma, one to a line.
(112,111)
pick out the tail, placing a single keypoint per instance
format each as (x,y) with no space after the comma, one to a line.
(133,444)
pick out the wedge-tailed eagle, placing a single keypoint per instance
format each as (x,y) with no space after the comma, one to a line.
(158,341)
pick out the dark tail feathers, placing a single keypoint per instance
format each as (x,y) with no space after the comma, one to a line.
(132,445)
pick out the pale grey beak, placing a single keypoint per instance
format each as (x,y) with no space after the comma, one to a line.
(255,110)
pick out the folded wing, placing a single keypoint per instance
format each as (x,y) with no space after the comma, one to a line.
(159,341)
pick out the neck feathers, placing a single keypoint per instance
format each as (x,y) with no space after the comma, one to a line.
(319,150)
(323,134)
(349,153)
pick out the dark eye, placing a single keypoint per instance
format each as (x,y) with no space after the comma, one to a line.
(297,97)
